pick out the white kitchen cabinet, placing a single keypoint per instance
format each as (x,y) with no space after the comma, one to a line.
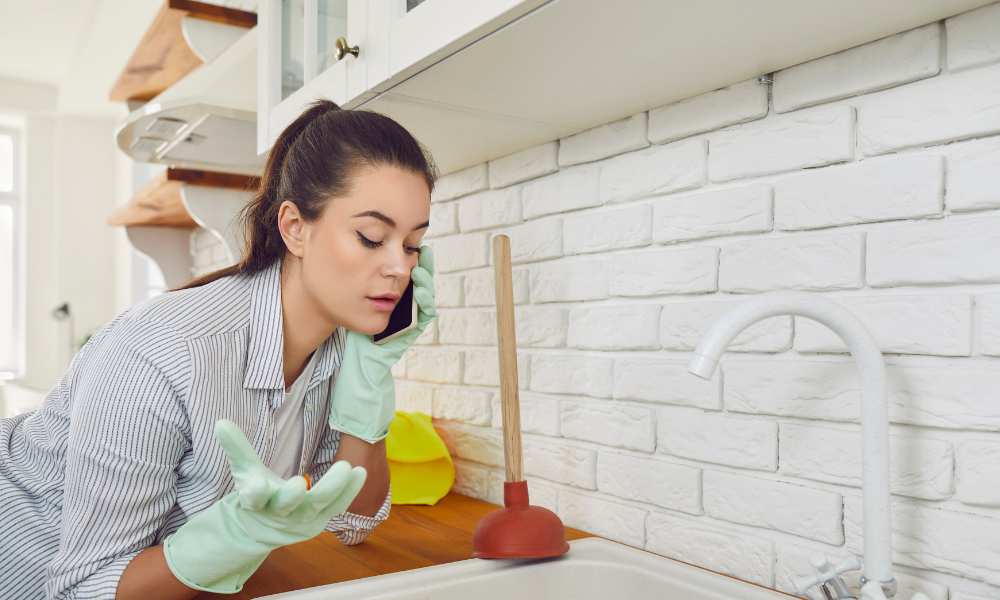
(394,39)
(474,80)
(299,60)
(419,33)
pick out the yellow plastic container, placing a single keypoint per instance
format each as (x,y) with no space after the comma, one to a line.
(420,467)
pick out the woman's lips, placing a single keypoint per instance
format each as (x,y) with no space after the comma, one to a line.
(382,305)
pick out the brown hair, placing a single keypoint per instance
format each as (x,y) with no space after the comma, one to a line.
(313,160)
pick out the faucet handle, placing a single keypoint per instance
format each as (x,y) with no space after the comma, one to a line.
(848,564)
(871,590)
(825,571)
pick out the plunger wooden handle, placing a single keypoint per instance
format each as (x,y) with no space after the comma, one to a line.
(508,357)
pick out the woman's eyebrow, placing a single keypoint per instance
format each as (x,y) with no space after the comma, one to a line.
(386,219)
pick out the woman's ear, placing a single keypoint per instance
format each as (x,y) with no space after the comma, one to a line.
(292,227)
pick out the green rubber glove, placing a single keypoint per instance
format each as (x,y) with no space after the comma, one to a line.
(219,548)
(363,399)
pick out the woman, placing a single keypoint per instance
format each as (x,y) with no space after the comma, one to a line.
(143,473)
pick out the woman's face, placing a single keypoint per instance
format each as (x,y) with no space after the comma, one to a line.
(365,244)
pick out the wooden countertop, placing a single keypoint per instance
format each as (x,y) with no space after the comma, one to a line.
(412,537)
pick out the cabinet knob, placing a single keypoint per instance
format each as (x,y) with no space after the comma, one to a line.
(343,49)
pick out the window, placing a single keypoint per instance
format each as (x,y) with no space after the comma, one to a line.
(11,257)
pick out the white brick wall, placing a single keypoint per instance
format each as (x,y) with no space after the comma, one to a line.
(919,467)
(885,63)
(691,270)
(935,324)
(603,141)
(960,543)
(461,183)
(563,191)
(611,327)
(721,550)
(735,104)
(791,508)
(657,170)
(683,323)
(814,262)
(613,424)
(489,209)
(949,394)
(869,177)
(524,165)
(744,209)
(882,189)
(988,325)
(972,168)
(954,251)
(613,520)
(972,38)
(664,381)
(937,110)
(979,474)
(812,138)
(605,230)
(650,480)
(717,438)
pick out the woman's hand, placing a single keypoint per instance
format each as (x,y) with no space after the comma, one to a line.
(363,399)
(219,548)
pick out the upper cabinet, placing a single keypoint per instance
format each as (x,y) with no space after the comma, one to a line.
(411,35)
(305,45)
(348,51)
(475,80)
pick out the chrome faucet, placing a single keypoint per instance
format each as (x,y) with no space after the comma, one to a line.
(877,581)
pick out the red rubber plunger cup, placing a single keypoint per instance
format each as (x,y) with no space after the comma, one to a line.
(518,530)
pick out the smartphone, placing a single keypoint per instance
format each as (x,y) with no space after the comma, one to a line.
(402,319)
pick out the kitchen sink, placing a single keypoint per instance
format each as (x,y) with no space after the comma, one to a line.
(594,568)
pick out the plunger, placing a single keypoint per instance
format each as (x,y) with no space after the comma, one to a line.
(518,530)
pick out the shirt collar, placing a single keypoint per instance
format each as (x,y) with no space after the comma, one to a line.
(265,349)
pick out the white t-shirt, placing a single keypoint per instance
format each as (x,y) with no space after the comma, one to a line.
(288,425)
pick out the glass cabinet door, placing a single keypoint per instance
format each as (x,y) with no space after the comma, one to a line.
(331,24)
(308,49)
(309,33)
(292,46)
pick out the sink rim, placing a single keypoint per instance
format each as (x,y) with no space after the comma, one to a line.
(584,549)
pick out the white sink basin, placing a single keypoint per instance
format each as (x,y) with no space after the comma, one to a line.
(594,568)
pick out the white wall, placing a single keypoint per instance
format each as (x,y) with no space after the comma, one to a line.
(868,177)
(73,184)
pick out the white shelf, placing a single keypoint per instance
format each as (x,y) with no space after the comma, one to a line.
(218,210)
(168,247)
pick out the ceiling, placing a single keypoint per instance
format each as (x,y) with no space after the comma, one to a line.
(78,46)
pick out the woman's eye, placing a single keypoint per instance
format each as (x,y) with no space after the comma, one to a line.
(369,243)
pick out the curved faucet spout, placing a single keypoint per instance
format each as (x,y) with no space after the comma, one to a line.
(875,417)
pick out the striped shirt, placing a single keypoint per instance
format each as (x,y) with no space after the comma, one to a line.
(122,451)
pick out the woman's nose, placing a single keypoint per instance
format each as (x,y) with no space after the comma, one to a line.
(397,266)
